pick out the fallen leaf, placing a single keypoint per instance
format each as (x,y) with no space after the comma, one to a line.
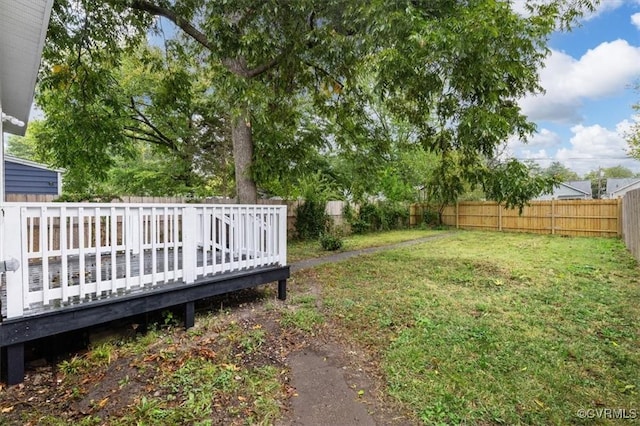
(7,410)
(231,367)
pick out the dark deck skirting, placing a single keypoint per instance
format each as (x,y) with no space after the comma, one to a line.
(17,331)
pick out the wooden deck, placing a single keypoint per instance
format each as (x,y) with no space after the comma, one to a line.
(83,265)
(107,271)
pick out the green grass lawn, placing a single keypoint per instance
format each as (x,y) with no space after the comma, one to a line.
(300,250)
(487,328)
(474,328)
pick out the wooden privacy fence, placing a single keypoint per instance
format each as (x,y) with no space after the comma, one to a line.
(631,221)
(562,217)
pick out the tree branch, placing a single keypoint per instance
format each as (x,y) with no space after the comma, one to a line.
(325,72)
(236,66)
(239,67)
(157,133)
(183,24)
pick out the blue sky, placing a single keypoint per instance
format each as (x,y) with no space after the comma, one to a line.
(588,78)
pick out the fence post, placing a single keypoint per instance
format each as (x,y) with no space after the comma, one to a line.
(553,218)
(13,248)
(620,209)
(457,214)
(499,216)
(189,244)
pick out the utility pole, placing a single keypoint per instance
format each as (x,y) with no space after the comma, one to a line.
(600,174)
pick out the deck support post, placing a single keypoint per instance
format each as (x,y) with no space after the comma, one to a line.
(282,289)
(15,364)
(189,315)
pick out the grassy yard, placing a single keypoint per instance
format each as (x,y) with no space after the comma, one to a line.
(299,250)
(475,328)
(489,328)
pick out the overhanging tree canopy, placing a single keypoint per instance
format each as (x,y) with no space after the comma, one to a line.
(453,69)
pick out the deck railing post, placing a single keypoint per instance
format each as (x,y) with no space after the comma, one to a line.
(189,244)
(282,236)
(13,247)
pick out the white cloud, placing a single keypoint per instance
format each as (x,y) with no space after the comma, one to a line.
(537,148)
(545,139)
(602,7)
(606,70)
(596,146)
(635,20)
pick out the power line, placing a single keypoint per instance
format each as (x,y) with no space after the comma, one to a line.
(576,158)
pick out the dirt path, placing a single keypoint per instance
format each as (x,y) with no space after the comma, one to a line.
(310,263)
(332,386)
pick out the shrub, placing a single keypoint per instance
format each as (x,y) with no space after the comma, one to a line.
(431,217)
(311,219)
(359,226)
(383,216)
(331,241)
(393,215)
(371,215)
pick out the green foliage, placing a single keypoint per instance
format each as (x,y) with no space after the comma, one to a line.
(331,241)
(311,218)
(380,216)
(359,226)
(371,216)
(431,217)
(83,197)
(27,147)
(512,183)
(362,88)
(633,134)
(560,172)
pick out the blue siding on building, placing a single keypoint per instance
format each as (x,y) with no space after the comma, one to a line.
(24,179)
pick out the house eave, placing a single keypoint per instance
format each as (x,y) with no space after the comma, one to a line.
(23,29)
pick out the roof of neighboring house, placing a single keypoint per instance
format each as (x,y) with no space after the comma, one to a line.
(12,159)
(615,185)
(23,28)
(579,189)
(583,186)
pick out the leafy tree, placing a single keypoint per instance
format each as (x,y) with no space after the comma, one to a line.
(452,70)
(159,101)
(633,134)
(561,172)
(27,146)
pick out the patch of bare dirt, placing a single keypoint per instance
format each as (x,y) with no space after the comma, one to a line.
(110,392)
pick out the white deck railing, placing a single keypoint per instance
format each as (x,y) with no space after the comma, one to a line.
(73,253)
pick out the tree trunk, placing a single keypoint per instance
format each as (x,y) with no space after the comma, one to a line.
(246,192)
